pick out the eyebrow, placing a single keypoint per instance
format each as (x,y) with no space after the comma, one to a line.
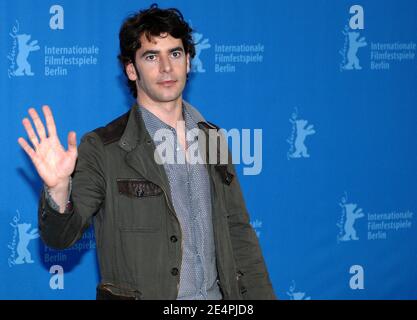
(158,51)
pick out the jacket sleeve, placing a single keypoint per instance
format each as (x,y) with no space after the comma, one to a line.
(51,201)
(252,275)
(62,230)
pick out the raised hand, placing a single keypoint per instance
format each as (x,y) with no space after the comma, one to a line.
(53,163)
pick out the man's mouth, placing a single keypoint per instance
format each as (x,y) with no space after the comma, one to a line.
(167,83)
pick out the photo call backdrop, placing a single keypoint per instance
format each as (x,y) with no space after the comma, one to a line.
(322,92)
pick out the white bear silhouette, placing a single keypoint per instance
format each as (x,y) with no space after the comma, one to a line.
(24,238)
(351,215)
(197,64)
(302,133)
(354,45)
(23,66)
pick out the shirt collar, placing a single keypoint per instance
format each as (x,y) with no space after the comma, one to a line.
(153,123)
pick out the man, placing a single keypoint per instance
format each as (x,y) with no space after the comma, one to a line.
(164,229)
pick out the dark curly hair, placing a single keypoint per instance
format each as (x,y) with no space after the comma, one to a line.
(152,22)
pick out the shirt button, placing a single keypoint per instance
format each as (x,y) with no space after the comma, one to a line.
(173,239)
(174,271)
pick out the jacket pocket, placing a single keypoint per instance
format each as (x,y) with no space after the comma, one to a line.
(138,188)
(109,291)
(140,205)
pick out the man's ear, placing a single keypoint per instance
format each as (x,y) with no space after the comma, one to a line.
(131,72)
(188,63)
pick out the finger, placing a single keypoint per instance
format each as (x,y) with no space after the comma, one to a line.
(72,142)
(31,133)
(50,123)
(25,146)
(38,123)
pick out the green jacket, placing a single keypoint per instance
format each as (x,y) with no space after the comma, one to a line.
(138,235)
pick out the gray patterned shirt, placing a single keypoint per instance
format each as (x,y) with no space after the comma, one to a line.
(190,193)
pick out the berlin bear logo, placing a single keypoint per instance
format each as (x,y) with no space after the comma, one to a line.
(350,213)
(197,64)
(25,48)
(354,45)
(24,239)
(302,131)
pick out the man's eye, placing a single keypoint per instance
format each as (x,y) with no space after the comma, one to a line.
(176,54)
(150,57)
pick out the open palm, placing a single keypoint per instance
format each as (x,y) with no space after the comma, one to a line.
(53,163)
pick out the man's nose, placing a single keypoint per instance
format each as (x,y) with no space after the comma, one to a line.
(165,64)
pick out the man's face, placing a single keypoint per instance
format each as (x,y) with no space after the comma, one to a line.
(162,66)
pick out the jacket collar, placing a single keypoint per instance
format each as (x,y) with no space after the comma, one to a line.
(136,133)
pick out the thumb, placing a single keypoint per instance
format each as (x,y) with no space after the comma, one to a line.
(72,142)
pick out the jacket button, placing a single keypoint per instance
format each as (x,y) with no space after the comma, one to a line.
(174,271)
(173,239)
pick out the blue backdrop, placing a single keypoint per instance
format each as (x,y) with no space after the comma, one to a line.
(332,85)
